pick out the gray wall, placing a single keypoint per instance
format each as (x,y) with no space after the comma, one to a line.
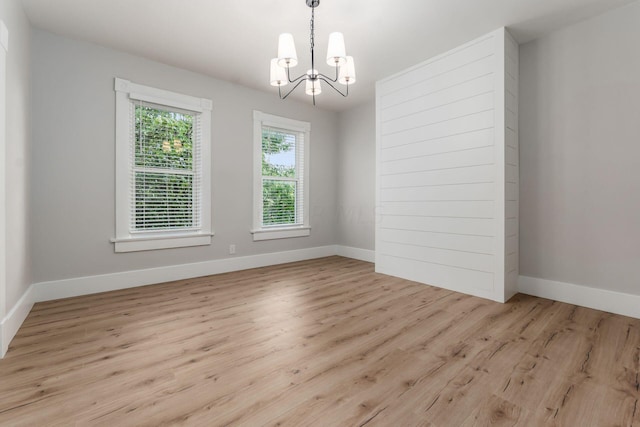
(580,153)
(18,257)
(73,161)
(356,177)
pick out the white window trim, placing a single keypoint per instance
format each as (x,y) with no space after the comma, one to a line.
(124,240)
(259,232)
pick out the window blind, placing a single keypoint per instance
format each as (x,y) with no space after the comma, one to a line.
(282,177)
(165,189)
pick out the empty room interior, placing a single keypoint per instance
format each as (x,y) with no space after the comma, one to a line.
(320,213)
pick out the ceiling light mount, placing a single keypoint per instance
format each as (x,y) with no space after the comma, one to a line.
(336,57)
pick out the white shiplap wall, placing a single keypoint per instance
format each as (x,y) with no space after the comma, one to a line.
(512,166)
(441,188)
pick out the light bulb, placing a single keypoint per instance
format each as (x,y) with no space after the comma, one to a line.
(336,53)
(347,72)
(278,74)
(287,51)
(313,87)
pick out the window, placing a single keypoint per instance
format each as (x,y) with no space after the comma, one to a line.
(162,169)
(281,177)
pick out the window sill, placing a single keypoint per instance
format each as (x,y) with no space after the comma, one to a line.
(280,233)
(149,243)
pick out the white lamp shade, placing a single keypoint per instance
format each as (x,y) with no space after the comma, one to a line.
(313,87)
(336,50)
(347,73)
(278,74)
(287,51)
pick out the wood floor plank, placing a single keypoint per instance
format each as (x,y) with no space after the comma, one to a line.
(586,403)
(495,411)
(324,342)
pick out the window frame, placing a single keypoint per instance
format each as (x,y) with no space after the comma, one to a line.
(125,240)
(259,231)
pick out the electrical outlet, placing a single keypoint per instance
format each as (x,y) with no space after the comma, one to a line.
(232,249)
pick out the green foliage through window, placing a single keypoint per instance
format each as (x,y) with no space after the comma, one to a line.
(278,202)
(278,161)
(163,201)
(164,161)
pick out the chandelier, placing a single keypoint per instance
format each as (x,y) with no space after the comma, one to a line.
(336,57)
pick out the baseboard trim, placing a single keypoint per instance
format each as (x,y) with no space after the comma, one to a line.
(14,319)
(356,253)
(46,291)
(599,299)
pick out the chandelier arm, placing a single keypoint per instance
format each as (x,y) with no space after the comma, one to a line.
(292,89)
(335,88)
(296,79)
(327,78)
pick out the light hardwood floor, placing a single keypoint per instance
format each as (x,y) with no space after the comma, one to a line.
(326,342)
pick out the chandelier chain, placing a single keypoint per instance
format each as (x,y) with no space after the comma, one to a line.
(312,36)
(311,33)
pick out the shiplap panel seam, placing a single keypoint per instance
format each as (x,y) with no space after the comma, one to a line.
(438,185)
(437,193)
(443,145)
(463,158)
(437,138)
(439,121)
(429,63)
(424,95)
(480,68)
(437,154)
(437,247)
(388,111)
(435,107)
(467,262)
(436,263)
(439,232)
(443,200)
(471,105)
(469,122)
(441,216)
(440,169)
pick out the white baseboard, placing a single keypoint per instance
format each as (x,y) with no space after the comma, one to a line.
(66,288)
(599,299)
(13,320)
(356,253)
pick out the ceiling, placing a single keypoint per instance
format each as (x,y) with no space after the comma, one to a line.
(234,40)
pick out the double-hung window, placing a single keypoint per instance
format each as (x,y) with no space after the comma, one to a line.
(281,177)
(162,169)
